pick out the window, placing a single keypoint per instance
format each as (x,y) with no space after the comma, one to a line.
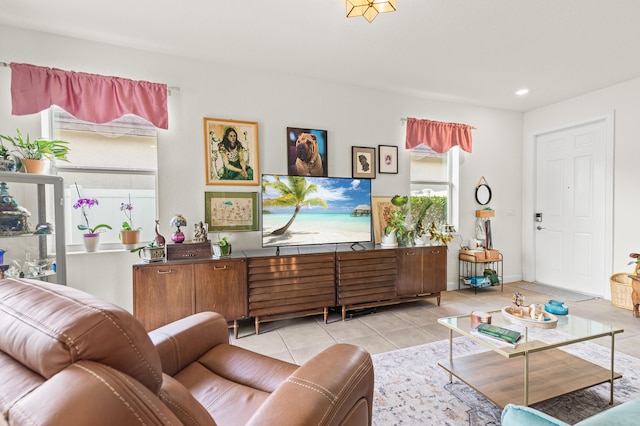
(436,175)
(110,162)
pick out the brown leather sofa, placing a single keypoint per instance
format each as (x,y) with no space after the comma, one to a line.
(68,358)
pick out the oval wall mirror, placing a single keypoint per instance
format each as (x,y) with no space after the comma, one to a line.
(483,194)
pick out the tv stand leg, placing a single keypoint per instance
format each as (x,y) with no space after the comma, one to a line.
(326,315)
(344,312)
(257,321)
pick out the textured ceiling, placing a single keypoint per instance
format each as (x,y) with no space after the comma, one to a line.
(476,52)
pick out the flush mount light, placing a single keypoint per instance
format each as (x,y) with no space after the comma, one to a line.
(522,92)
(369,8)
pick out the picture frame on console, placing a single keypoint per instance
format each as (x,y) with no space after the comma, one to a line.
(231,152)
(363,160)
(231,211)
(388,159)
(307,152)
(378,207)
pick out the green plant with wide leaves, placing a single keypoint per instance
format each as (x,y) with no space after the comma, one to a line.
(37,149)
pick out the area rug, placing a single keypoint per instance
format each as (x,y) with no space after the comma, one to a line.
(411,389)
(556,292)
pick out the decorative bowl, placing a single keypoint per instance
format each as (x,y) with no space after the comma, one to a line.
(556,307)
(521,315)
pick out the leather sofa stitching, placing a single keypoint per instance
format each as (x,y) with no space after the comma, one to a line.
(178,407)
(331,398)
(117,394)
(348,386)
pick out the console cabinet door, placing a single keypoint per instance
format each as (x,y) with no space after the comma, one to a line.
(221,286)
(409,281)
(434,260)
(162,294)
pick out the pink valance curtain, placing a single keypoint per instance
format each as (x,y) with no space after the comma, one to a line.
(89,97)
(437,135)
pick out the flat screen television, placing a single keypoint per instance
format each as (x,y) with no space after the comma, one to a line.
(302,210)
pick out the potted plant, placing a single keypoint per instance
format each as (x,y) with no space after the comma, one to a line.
(6,162)
(396,229)
(129,236)
(442,238)
(91,238)
(31,154)
(150,252)
(222,247)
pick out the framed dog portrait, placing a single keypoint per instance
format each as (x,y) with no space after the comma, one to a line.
(231,211)
(363,161)
(307,152)
(387,159)
(231,152)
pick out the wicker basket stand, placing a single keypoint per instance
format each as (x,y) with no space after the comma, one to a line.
(621,290)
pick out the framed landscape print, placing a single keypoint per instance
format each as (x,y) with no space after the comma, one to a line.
(307,152)
(231,152)
(388,159)
(231,211)
(363,161)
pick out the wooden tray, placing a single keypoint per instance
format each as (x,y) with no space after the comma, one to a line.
(521,315)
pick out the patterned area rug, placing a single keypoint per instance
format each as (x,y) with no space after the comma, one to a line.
(557,292)
(411,389)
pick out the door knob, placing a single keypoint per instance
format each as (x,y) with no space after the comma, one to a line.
(539,228)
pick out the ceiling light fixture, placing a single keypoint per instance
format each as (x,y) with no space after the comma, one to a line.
(522,92)
(369,8)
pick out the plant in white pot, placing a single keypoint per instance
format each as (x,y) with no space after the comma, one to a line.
(222,247)
(91,238)
(31,154)
(150,252)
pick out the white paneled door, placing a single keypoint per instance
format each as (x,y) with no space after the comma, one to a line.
(570,208)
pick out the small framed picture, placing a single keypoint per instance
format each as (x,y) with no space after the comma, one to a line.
(231,211)
(387,159)
(363,160)
(231,152)
(307,152)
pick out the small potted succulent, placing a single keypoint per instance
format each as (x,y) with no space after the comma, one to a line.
(221,248)
(31,154)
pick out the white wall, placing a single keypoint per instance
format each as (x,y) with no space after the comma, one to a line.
(351,115)
(622,100)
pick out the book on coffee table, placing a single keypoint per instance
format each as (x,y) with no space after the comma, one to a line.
(510,336)
(496,340)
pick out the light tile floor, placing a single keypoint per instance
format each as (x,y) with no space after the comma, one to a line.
(414,323)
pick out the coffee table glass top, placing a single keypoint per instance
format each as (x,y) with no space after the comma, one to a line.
(570,329)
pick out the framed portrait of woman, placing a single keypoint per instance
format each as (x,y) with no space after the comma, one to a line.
(231,152)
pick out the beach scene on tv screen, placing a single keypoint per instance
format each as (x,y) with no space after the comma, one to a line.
(300,210)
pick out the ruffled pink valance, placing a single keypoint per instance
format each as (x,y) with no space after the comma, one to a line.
(89,97)
(439,136)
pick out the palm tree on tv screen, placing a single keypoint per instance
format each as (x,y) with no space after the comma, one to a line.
(292,194)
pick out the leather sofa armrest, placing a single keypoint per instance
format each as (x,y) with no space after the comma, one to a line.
(184,341)
(334,387)
(90,393)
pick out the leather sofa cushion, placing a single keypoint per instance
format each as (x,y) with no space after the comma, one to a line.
(48,327)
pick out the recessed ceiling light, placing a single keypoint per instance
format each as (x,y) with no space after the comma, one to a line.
(522,92)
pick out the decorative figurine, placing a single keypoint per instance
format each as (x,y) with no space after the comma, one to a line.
(199,233)
(160,240)
(517,299)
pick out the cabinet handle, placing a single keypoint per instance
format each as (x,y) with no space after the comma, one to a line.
(216,268)
(170,271)
(435,251)
(410,253)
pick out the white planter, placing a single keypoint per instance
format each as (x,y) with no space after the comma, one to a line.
(388,241)
(221,251)
(152,254)
(91,242)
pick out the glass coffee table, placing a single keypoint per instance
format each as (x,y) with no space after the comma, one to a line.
(535,370)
